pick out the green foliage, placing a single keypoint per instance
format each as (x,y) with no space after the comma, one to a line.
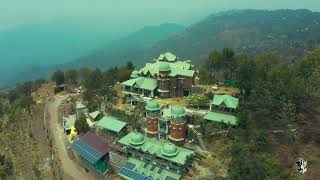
(317,138)
(6,166)
(58,77)
(220,63)
(130,66)
(263,140)
(1,108)
(198,99)
(81,124)
(84,73)
(205,77)
(72,76)
(260,167)
(307,135)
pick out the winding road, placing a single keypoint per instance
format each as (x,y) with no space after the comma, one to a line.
(71,168)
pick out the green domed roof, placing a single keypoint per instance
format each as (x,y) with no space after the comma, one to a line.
(178,111)
(137,139)
(169,149)
(152,106)
(164,66)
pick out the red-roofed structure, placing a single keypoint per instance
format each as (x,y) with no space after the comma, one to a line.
(95,142)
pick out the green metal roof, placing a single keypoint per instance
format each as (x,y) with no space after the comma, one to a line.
(69,122)
(164,66)
(225,100)
(178,111)
(150,171)
(80,105)
(142,83)
(168,56)
(137,139)
(94,114)
(155,147)
(111,123)
(169,149)
(134,74)
(153,106)
(182,68)
(221,118)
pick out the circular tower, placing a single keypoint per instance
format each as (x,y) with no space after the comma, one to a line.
(178,127)
(152,118)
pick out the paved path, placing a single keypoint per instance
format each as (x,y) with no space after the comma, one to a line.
(71,168)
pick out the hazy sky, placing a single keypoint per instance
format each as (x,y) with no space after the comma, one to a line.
(130,13)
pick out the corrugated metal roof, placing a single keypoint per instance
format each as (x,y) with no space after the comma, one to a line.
(154,147)
(111,123)
(94,114)
(221,118)
(88,152)
(142,83)
(226,99)
(95,142)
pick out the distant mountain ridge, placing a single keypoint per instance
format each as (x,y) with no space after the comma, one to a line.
(289,33)
(127,48)
(108,56)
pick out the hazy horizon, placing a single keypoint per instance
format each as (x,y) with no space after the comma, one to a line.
(39,33)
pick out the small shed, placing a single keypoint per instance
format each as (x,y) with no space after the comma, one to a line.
(111,124)
(94,116)
(92,152)
(68,123)
(80,108)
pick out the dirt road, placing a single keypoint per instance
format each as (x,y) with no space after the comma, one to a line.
(71,168)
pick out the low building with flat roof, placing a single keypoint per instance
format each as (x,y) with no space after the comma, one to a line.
(150,158)
(112,125)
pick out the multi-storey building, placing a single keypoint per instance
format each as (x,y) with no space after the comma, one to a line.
(166,77)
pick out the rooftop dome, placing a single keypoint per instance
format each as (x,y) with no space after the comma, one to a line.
(178,111)
(169,149)
(137,139)
(164,66)
(152,106)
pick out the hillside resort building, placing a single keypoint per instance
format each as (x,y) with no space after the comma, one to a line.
(222,110)
(166,77)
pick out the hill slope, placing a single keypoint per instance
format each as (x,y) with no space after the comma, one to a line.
(74,42)
(286,32)
(126,49)
(290,33)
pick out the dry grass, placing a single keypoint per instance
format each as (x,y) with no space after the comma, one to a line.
(220,90)
(171,101)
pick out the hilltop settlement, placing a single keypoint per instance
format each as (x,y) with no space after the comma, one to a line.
(235,117)
(166,144)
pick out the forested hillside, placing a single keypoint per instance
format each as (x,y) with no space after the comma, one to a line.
(289,33)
